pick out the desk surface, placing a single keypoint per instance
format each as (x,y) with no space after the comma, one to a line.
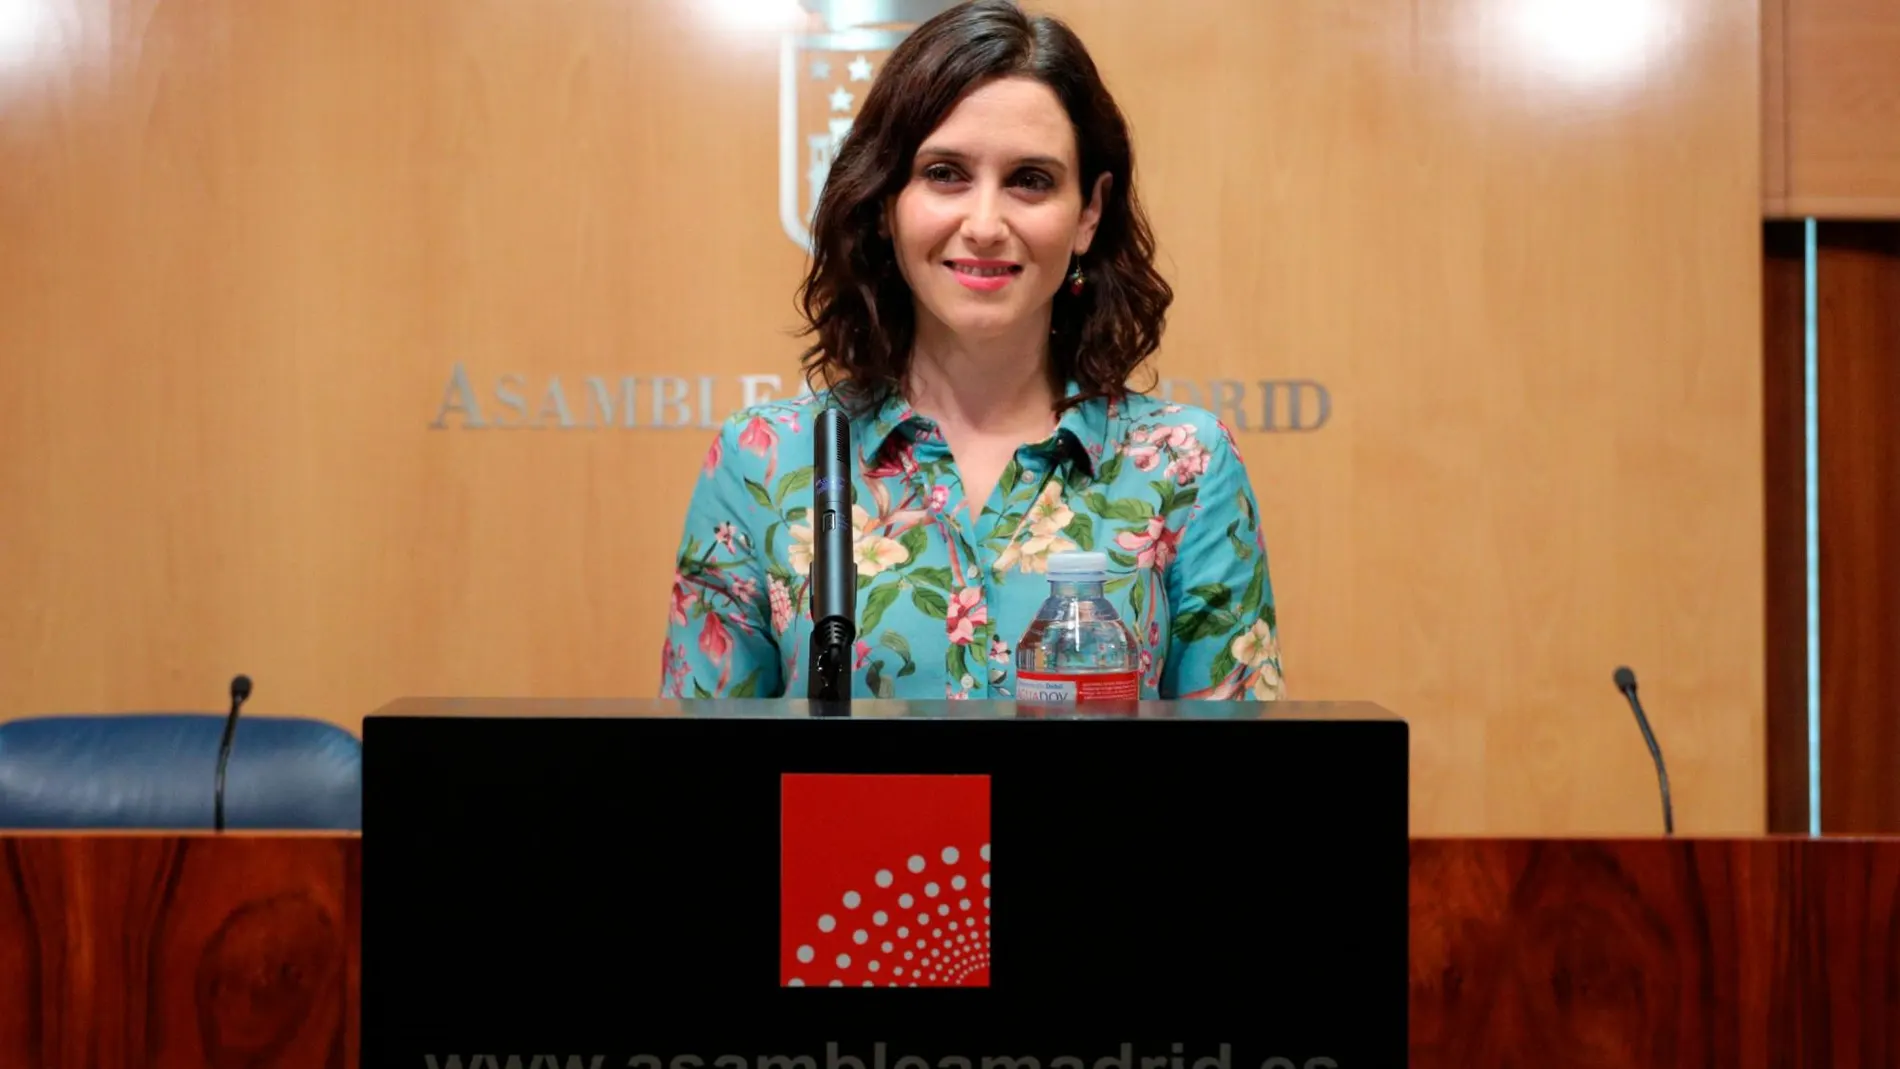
(145,950)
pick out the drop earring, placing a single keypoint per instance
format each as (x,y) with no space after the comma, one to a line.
(1077,280)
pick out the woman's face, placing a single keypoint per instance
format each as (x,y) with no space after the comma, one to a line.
(986,226)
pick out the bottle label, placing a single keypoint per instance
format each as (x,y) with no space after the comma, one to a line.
(1086,687)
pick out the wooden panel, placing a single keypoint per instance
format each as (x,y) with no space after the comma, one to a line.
(129,952)
(1774,108)
(1784,503)
(136,951)
(1519,252)
(1839,79)
(1858,386)
(1739,953)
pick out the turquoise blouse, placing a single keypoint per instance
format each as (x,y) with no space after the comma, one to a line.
(942,601)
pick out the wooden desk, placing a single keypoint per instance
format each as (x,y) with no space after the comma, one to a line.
(174,951)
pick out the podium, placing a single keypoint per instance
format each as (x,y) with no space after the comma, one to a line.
(702,885)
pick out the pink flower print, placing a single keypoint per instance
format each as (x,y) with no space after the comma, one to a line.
(1154,633)
(1144,457)
(744,589)
(939,497)
(681,601)
(1154,548)
(714,640)
(999,651)
(723,534)
(1188,467)
(738,619)
(712,459)
(674,669)
(781,599)
(864,656)
(759,437)
(966,611)
(1178,437)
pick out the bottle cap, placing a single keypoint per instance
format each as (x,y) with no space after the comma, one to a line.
(1078,567)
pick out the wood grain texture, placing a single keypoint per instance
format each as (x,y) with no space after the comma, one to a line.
(130,952)
(246,244)
(1774,108)
(164,952)
(1648,953)
(1837,75)
(1857,274)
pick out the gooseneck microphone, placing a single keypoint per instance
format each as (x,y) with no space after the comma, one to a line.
(240,690)
(834,571)
(1626,682)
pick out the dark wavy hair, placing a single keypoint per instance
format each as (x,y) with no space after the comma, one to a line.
(857,303)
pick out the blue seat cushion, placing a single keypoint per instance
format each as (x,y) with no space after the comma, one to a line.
(158,771)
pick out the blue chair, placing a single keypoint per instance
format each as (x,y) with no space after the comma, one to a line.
(158,771)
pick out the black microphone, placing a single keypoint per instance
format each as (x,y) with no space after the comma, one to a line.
(240,690)
(834,571)
(1626,682)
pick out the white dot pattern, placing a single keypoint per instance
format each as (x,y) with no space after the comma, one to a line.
(956,951)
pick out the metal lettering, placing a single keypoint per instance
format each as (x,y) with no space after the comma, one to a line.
(459,396)
(1227,398)
(1170,386)
(508,392)
(601,410)
(609,402)
(670,390)
(554,405)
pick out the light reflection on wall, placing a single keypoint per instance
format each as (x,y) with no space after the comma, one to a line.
(755,14)
(1595,43)
(26,30)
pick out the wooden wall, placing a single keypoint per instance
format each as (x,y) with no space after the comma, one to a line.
(1831,153)
(1831,109)
(252,249)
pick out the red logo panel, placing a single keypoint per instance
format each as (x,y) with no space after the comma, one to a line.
(884,881)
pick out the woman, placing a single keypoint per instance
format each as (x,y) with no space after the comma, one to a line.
(981,291)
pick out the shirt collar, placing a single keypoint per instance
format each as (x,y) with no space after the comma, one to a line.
(1083,428)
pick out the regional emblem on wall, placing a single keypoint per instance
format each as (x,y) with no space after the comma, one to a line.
(824,72)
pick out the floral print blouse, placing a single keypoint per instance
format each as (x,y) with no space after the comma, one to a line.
(942,600)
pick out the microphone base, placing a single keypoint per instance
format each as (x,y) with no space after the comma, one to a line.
(830,707)
(829,687)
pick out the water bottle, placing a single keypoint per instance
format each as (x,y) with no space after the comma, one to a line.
(1077,649)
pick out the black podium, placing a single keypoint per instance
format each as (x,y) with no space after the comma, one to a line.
(740,885)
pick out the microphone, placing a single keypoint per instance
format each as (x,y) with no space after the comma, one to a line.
(834,571)
(1626,682)
(240,690)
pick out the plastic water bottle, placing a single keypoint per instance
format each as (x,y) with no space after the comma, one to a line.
(1077,649)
